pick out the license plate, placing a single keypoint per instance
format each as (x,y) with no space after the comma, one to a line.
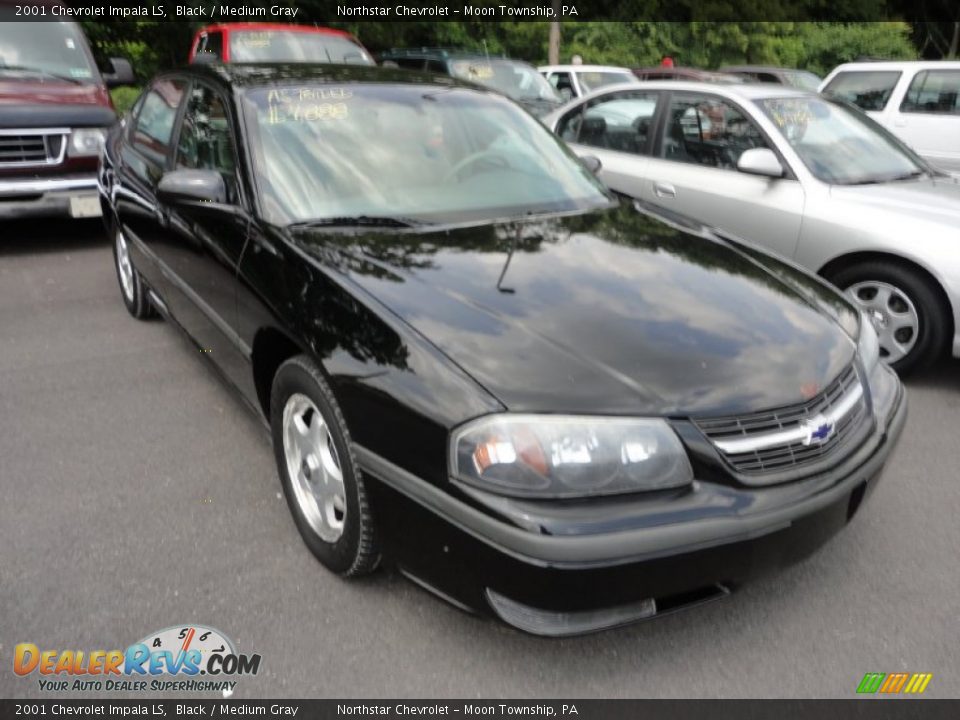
(84,206)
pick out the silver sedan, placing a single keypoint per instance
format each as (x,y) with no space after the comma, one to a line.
(811,179)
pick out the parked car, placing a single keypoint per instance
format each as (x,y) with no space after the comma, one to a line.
(54,114)
(812,179)
(513,78)
(573,81)
(802,79)
(916,101)
(673,72)
(277,42)
(540,402)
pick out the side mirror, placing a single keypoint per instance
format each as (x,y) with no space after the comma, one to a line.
(592,163)
(192,185)
(121,73)
(760,161)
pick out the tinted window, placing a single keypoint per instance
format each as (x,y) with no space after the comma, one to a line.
(563,83)
(868,90)
(205,140)
(705,130)
(436,66)
(620,121)
(156,118)
(933,91)
(410,63)
(215,43)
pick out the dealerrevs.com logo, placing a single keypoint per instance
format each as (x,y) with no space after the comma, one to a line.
(181,658)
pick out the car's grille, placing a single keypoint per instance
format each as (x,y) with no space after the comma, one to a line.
(32,148)
(798,436)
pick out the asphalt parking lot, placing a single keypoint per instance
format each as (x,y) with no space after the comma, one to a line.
(138,493)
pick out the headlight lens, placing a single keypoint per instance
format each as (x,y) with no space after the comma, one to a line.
(564,456)
(86,142)
(868,346)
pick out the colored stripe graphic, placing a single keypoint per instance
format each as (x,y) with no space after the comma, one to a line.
(913,683)
(918,683)
(870,683)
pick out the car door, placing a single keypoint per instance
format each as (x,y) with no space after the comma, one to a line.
(617,128)
(205,240)
(143,158)
(693,171)
(927,116)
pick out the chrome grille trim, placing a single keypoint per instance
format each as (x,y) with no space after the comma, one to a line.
(32,147)
(778,445)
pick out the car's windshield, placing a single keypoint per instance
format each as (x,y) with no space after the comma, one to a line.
(436,154)
(295,46)
(514,79)
(55,49)
(838,144)
(593,79)
(803,79)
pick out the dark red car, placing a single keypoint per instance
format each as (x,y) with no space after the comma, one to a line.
(276,42)
(54,114)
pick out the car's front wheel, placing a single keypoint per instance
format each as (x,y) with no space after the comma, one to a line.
(906,311)
(321,480)
(132,289)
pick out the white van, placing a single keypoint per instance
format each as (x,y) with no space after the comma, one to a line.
(918,101)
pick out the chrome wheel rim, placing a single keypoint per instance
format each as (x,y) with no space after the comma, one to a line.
(313,467)
(124,266)
(893,315)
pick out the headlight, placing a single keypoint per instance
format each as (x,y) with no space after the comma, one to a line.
(86,142)
(556,456)
(868,346)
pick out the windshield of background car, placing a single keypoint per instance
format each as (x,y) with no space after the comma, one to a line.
(513,79)
(435,154)
(45,48)
(838,144)
(286,46)
(803,80)
(591,80)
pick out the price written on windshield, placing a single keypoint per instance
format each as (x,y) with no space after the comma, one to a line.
(307,105)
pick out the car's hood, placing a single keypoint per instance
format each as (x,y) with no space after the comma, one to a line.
(50,92)
(926,200)
(609,312)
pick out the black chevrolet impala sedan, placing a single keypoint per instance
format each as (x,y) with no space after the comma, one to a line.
(534,399)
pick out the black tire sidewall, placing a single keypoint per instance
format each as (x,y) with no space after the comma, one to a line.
(139,306)
(300,376)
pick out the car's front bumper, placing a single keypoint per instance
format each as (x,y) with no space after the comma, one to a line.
(562,584)
(66,196)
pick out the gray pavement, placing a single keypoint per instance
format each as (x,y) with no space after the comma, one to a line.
(138,493)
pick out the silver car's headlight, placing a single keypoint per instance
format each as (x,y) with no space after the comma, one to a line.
(86,142)
(868,345)
(551,456)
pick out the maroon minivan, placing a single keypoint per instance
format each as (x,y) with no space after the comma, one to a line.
(54,114)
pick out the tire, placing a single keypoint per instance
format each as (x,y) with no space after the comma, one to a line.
(333,516)
(132,289)
(893,294)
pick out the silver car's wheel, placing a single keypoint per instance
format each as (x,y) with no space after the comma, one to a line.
(124,267)
(893,315)
(314,468)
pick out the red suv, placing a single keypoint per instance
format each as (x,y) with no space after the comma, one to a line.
(54,115)
(274,42)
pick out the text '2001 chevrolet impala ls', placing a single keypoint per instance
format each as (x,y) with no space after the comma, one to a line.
(537,401)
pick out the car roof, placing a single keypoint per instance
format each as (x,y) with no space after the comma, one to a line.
(736,91)
(254,75)
(265,27)
(899,65)
(438,52)
(585,68)
(758,68)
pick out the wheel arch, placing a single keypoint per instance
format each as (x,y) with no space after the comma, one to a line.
(842,262)
(271,348)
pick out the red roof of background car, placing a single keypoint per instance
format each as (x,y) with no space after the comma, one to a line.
(273,26)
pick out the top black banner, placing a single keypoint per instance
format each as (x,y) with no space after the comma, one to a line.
(326,11)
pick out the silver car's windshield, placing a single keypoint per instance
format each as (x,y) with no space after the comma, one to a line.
(838,144)
(418,152)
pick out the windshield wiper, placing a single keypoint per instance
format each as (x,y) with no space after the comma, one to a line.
(381,221)
(39,71)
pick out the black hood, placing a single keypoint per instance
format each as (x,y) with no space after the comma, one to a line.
(610,312)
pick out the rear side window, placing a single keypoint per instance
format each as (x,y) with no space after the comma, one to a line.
(620,121)
(158,112)
(868,90)
(933,91)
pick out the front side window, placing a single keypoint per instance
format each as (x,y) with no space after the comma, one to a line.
(205,140)
(563,83)
(157,115)
(935,92)
(215,43)
(51,49)
(620,121)
(838,144)
(436,154)
(868,90)
(514,79)
(252,46)
(706,130)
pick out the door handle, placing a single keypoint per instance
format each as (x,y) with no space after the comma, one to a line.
(664,190)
